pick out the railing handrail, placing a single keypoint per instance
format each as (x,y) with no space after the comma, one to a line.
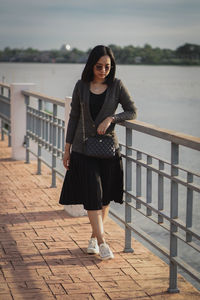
(53,100)
(166,134)
(4,85)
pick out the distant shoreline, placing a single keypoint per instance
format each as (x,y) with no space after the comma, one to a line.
(119,64)
(185,55)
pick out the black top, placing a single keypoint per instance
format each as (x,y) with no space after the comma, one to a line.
(96,102)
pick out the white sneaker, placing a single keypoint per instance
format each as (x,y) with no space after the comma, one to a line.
(93,247)
(105,252)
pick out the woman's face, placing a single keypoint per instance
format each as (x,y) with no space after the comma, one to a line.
(102,68)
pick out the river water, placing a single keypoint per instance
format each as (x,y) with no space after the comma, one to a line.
(166,96)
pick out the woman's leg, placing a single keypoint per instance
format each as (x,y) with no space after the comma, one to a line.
(104,213)
(96,221)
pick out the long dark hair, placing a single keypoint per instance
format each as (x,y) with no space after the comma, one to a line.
(96,53)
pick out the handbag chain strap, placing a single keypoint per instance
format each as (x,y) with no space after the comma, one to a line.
(83,121)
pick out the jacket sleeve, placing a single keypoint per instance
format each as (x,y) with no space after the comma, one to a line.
(74,115)
(130,111)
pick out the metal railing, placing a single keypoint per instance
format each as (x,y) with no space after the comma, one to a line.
(46,129)
(144,196)
(5,112)
(153,205)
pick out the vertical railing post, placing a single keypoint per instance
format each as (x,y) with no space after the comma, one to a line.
(63,136)
(173,215)
(9,136)
(50,134)
(2,130)
(9,125)
(59,138)
(43,129)
(46,131)
(149,185)
(138,179)
(128,187)
(27,139)
(39,134)
(35,129)
(2,123)
(189,207)
(160,191)
(31,119)
(53,184)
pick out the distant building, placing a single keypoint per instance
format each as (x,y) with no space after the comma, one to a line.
(138,59)
(64,48)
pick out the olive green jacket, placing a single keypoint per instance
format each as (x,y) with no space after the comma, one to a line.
(116,93)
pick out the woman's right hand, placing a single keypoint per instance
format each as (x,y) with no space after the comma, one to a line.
(66,157)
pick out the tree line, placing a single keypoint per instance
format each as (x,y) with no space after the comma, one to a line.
(187,54)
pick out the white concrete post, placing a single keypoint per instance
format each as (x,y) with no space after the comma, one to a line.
(18,118)
(73,210)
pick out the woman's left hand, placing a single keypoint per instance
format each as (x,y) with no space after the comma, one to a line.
(103,126)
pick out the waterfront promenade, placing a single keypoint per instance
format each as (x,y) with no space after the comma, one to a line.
(43,249)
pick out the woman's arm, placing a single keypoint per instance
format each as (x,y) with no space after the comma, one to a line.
(72,124)
(103,126)
(74,115)
(130,110)
(129,113)
(66,157)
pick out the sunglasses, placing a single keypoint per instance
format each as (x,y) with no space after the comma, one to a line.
(100,67)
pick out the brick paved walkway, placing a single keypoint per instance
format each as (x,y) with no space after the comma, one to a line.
(43,250)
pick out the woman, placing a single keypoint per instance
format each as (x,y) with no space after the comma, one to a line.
(94,182)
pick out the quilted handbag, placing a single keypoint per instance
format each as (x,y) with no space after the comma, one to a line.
(100,146)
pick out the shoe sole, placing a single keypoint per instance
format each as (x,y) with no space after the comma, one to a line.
(90,251)
(107,257)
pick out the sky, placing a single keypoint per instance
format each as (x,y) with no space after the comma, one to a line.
(83,24)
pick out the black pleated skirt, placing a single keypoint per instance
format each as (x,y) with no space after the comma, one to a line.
(93,182)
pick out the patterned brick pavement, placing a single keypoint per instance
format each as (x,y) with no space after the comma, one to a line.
(43,250)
